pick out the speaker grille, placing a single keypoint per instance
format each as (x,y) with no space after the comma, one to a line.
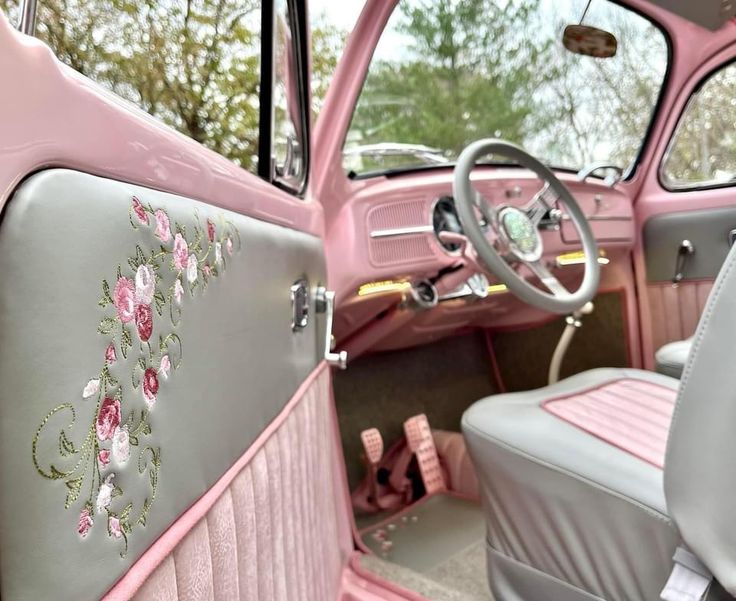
(399,214)
(402,249)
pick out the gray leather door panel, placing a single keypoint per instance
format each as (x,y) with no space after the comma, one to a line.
(707,229)
(120,401)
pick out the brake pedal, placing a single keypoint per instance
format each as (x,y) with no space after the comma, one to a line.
(420,441)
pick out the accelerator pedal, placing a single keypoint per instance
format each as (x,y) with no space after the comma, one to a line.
(420,441)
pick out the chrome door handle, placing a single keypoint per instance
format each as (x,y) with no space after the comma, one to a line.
(326,304)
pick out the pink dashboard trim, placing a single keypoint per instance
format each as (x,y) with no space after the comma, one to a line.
(137,574)
(54,117)
(632,415)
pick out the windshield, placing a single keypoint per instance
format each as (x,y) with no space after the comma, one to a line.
(448,72)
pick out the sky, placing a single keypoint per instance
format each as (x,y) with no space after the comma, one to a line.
(343,13)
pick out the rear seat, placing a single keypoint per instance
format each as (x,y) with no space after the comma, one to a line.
(670,359)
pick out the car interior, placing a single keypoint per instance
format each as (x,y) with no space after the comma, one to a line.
(461,331)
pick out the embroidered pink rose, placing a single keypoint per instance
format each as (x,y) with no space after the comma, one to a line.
(103,457)
(144,321)
(145,284)
(178,291)
(110,355)
(165,367)
(104,494)
(121,444)
(113,526)
(85,522)
(139,211)
(207,270)
(181,252)
(123,297)
(210,231)
(108,418)
(163,227)
(229,245)
(150,386)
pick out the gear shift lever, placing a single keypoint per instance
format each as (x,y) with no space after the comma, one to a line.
(574,322)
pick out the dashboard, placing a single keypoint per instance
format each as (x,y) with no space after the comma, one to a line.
(385,253)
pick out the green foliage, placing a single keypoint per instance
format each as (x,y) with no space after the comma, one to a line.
(449,89)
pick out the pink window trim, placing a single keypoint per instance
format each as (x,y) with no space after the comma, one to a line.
(127,586)
(632,415)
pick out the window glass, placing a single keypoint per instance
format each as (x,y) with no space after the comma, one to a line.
(448,72)
(703,149)
(193,64)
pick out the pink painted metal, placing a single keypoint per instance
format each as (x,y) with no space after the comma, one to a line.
(54,117)
(632,415)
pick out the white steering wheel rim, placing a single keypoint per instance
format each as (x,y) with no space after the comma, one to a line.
(558,300)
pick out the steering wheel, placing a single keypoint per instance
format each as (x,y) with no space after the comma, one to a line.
(517,237)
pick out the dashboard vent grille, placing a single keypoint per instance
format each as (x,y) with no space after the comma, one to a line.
(404,249)
(399,214)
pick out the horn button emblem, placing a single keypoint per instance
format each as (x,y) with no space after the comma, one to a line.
(521,236)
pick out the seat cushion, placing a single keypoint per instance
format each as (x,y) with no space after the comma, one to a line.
(671,357)
(563,502)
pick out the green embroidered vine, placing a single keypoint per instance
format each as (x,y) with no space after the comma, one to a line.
(88,470)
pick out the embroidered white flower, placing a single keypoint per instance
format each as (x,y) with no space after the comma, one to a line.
(91,389)
(104,495)
(121,444)
(165,367)
(178,291)
(113,526)
(145,284)
(218,253)
(192,269)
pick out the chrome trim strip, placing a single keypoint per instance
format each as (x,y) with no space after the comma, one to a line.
(602,218)
(28,17)
(402,231)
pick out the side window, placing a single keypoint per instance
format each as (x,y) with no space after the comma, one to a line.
(198,66)
(702,152)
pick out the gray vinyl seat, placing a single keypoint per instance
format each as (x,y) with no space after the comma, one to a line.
(581,500)
(670,358)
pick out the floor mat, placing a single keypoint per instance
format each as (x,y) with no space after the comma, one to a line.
(438,541)
(382,390)
(523,356)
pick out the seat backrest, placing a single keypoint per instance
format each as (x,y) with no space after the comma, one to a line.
(700,472)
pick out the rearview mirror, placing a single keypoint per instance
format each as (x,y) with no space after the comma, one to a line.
(589,41)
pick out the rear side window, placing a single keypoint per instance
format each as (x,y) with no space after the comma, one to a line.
(702,152)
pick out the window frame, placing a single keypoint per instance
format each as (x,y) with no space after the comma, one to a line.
(662,178)
(266,167)
(266,163)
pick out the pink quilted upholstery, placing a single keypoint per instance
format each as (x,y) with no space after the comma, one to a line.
(279,531)
(676,311)
(630,414)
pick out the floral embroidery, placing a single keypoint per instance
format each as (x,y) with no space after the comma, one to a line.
(120,425)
